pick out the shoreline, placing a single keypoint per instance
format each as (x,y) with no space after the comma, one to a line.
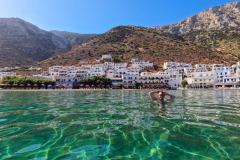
(78,89)
(12,90)
(210,89)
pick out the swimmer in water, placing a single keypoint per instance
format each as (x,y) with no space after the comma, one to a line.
(161,96)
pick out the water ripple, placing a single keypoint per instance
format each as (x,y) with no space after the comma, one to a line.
(119,125)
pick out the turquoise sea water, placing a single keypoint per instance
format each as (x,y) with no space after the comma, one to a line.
(92,125)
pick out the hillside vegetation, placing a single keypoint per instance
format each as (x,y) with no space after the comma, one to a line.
(141,43)
(226,40)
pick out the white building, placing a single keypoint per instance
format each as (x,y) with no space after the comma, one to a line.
(174,65)
(35,69)
(117,73)
(175,79)
(232,81)
(153,78)
(135,69)
(120,66)
(54,70)
(129,78)
(188,71)
(96,71)
(109,65)
(66,82)
(222,71)
(108,56)
(3,74)
(134,60)
(172,79)
(202,79)
(208,66)
(83,62)
(115,76)
(142,64)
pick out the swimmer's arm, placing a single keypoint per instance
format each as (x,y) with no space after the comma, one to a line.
(151,94)
(171,97)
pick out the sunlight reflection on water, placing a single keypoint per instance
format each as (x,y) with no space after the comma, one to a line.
(198,124)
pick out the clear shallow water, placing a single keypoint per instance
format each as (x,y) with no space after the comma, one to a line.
(96,125)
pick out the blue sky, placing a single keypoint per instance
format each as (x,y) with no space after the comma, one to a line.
(98,16)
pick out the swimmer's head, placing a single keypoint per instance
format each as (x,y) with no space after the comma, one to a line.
(161,95)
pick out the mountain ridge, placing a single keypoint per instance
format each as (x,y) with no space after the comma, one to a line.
(139,43)
(218,17)
(24,44)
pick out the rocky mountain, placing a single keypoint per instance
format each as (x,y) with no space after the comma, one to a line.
(127,42)
(22,43)
(215,18)
(72,38)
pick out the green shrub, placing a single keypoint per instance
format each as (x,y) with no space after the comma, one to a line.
(184,83)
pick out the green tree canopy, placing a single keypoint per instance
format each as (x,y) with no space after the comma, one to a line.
(120,85)
(184,83)
(26,80)
(97,80)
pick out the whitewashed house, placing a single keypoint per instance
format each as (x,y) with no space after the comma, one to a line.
(35,69)
(120,66)
(203,79)
(222,71)
(109,65)
(174,65)
(134,60)
(153,78)
(3,74)
(232,81)
(108,56)
(135,69)
(175,79)
(115,76)
(207,66)
(64,81)
(54,70)
(96,71)
(189,71)
(129,78)
(142,64)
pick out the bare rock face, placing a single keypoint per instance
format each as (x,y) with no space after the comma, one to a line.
(219,17)
(18,27)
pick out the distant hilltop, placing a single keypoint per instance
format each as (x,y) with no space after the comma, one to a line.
(218,17)
(24,44)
